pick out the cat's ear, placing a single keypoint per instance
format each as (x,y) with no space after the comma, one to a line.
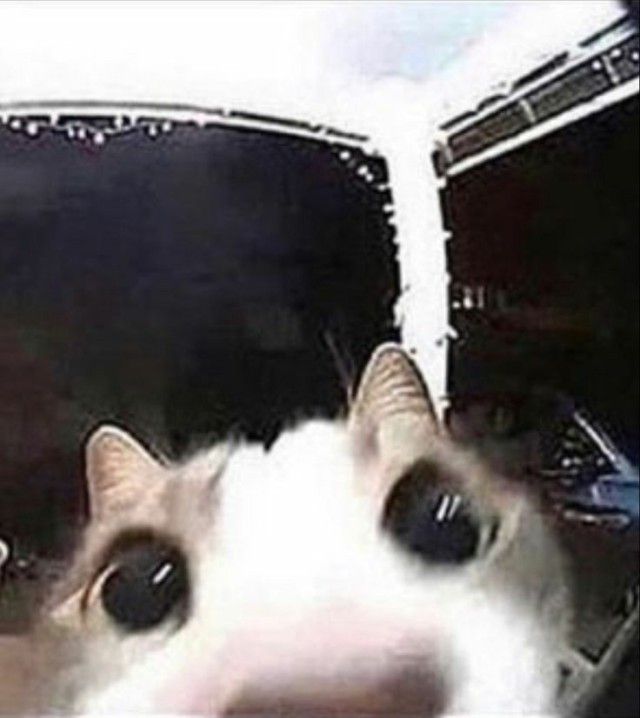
(392,415)
(118,469)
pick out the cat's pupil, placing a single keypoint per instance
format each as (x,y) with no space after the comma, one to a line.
(148,584)
(441,529)
(436,524)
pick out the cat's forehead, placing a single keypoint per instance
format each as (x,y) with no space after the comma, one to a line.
(316,462)
(306,478)
(313,456)
(297,458)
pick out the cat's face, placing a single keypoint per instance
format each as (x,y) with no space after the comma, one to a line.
(357,568)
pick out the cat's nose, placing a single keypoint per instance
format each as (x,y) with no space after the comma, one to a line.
(408,693)
(337,660)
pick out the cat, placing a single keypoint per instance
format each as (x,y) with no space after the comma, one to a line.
(359,567)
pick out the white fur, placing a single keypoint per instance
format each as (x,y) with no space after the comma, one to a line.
(299,580)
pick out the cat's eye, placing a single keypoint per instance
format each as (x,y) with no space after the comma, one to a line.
(432,520)
(146,584)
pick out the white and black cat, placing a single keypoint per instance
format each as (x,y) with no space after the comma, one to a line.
(362,567)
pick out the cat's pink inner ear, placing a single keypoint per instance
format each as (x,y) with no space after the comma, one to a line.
(392,414)
(118,469)
(392,384)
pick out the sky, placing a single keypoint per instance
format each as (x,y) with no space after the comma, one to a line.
(300,58)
